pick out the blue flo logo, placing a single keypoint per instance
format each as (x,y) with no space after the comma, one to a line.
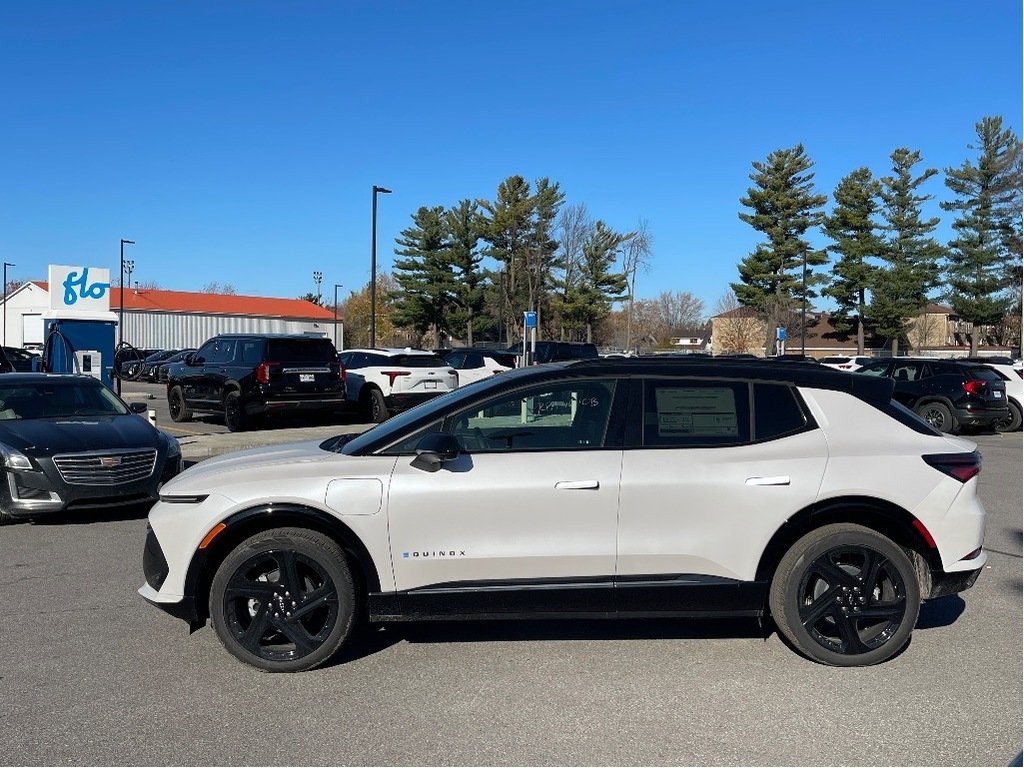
(85,290)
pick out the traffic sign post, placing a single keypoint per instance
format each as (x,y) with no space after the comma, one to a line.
(529,324)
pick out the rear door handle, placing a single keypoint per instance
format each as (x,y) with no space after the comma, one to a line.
(577,485)
(777,480)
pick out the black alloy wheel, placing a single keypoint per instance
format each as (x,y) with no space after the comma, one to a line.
(283,600)
(234,412)
(177,406)
(845,595)
(374,406)
(1013,419)
(939,416)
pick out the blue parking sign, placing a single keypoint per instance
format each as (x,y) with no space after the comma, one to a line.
(529,320)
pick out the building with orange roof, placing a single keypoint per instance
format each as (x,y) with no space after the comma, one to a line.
(158,319)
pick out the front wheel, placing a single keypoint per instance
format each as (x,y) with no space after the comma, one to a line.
(938,416)
(283,600)
(177,406)
(1012,422)
(375,408)
(846,596)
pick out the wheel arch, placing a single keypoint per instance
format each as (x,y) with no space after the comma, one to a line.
(246,523)
(886,518)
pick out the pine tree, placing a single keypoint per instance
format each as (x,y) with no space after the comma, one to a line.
(425,276)
(851,225)
(465,228)
(911,258)
(987,196)
(776,276)
(590,299)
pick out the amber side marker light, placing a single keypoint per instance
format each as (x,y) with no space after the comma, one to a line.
(211,535)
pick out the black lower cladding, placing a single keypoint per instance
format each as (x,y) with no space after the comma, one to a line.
(944,584)
(598,597)
(154,564)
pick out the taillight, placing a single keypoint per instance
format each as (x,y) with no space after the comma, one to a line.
(962,466)
(392,375)
(263,373)
(341,373)
(974,386)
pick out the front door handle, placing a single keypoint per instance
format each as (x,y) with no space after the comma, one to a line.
(777,480)
(577,485)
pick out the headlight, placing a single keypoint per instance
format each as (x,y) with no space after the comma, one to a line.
(173,447)
(15,459)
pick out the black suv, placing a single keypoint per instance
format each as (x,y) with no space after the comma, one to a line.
(246,375)
(947,394)
(554,351)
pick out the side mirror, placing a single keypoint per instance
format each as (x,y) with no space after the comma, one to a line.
(435,449)
(138,407)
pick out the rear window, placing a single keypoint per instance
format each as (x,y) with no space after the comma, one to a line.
(418,361)
(301,351)
(981,372)
(835,360)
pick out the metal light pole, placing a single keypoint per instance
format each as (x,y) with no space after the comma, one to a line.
(336,287)
(120,319)
(373,268)
(318,278)
(803,310)
(6,265)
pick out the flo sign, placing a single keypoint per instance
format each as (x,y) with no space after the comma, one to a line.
(79,289)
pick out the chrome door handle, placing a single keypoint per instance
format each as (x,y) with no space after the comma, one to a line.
(777,480)
(577,485)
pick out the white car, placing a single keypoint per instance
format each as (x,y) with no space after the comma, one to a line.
(604,488)
(476,364)
(846,362)
(382,382)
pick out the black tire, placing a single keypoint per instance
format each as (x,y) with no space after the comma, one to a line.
(177,406)
(1012,422)
(234,412)
(283,600)
(939,416)
(846,596)
(375,410)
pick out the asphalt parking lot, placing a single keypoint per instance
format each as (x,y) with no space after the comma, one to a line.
(91,674)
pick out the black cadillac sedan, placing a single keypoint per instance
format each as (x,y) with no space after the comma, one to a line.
(67,443)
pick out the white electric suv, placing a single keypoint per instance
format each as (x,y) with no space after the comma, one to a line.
(605,488)
(382,382)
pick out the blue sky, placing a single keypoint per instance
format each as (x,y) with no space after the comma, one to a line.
(238,142)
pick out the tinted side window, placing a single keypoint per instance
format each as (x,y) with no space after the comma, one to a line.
(908,371)
(206,351)
(251,352)
(457,360)
(776,412)
(874,369)
(300,350)
(696,413)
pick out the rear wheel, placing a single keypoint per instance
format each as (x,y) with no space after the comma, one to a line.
(1012,422)
(283,600)
(177,406)
(939,416)
(846,596)
(234,413)
(375,409)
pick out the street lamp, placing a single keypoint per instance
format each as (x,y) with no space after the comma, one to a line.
(318,277)
(373,268)
(120,319)
(6,265)
(803,309)
(336,287)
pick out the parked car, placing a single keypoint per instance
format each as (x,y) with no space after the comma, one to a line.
(147,371)
(159,369)
(70,444)
(846,362)
(249,376)
(20,359)
(383,382)
(610,488)
(554,351)
(129,361)
(947,394)
(472,364)
(1014,384)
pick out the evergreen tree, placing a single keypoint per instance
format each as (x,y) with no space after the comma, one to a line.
(911,258)
(465,228)
(783,207)
(986,197)
(851,225)
(590,299)
(425,275)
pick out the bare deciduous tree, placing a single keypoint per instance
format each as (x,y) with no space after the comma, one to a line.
(740,331)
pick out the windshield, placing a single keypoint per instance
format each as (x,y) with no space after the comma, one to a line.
(390,430)
(57,399)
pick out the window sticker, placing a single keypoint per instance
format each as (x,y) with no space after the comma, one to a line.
(703,411)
